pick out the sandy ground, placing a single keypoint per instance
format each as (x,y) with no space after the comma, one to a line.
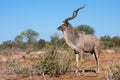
(106,60)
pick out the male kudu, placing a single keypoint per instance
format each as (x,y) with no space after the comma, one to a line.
(80,42)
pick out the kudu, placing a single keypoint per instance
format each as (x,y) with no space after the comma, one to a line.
(80,42)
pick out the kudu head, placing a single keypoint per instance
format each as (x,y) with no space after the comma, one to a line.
(66,24)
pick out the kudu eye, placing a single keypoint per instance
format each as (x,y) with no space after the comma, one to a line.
(66,24)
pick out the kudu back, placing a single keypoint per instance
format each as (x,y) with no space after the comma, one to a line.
(79,41)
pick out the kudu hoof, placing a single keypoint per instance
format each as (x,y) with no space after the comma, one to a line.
(81,74)
(97,72)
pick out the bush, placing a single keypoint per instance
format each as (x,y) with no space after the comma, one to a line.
(114,73)
(41,43)
(53,65)
(50,64)
(7,44)
(14,67)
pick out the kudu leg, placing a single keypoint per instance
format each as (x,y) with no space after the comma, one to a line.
(82,61)
(77,60)
(97,60)
(77,63)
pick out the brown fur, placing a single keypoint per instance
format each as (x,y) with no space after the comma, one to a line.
(80,42)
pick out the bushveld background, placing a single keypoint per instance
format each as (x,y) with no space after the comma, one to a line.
(29,58)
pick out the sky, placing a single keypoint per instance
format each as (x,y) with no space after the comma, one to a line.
(44,16)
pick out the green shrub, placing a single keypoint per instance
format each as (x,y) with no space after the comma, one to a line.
(14,67)
(114,73)
(40,44)
(53,64)
(49,65)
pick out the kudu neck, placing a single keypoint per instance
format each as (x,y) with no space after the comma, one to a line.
(70,32)
(71,29)
(71,36)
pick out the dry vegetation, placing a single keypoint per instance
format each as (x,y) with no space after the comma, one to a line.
(55,64)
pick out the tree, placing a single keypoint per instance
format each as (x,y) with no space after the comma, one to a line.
(55,39)
(18,42)
(86,28)
(116,40)
(18,38)
(41,44)
(30,35)
(107,41)
(106,38)
(7,44)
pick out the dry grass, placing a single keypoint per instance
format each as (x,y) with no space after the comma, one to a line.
(24,67)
